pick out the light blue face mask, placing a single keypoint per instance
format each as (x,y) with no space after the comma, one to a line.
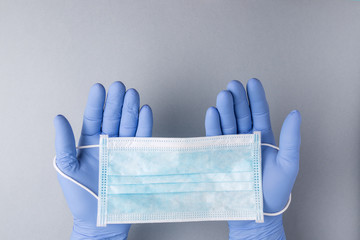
(148,180)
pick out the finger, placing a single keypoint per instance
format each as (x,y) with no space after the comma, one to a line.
(113,107)
(212,122)
(260,110)
(130,114)
(65,145)
(241,106)
(225,106)
(144,128)
(290,140)
(94,111)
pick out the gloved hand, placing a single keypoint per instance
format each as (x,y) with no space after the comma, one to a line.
(120,117)
(234,115)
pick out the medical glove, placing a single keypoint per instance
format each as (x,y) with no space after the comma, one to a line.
(119,118)
(238,111)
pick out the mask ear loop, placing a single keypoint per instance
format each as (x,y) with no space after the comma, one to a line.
(95,196)
(289,201)
(73,180)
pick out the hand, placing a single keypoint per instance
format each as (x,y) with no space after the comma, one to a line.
(235,115)
(120,117)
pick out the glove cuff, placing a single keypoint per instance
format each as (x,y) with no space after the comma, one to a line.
(117,232)
(271,229)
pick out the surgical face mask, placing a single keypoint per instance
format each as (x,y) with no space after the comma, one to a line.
(147,180)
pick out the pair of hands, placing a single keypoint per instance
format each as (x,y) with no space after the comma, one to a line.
(236,112)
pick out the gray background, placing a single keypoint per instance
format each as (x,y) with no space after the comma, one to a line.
(179,55)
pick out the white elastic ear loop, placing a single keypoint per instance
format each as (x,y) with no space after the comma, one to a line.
(280,212)
(95,196)
(72,180)
(289,201)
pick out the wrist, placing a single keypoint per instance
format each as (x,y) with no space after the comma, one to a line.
(272,228)
(111,232)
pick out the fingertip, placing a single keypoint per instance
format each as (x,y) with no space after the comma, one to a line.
(97,87)
(293,118)
(59,115)
(224,97)
(211,111)
(253,81)
(146,112)
(117,86)
(212,118)
(132,98)
(96,94)
(62,124)
(295,115)
(133,92)
(224,93)
(233,83)
(146,107)
(235,86)
(253,84)
(60,120)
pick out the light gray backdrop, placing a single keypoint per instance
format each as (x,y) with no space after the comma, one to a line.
(179,55)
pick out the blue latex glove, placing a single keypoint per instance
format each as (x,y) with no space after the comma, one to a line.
(234,115)
(120,117)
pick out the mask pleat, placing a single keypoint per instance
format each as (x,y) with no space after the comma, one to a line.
(180,178)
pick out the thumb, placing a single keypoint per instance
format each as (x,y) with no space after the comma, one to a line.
(65,145)
(289,153)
